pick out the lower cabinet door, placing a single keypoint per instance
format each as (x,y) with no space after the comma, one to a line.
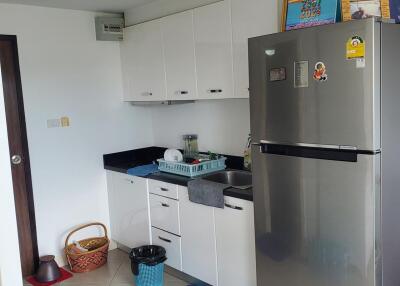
(199,256)
(234,227)
(172,245)
(129,209)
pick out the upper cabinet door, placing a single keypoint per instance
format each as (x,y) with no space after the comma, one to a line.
(143,62)
(213,42)
(250,18)
(179,51)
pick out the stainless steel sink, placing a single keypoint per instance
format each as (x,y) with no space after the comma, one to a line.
(235,178)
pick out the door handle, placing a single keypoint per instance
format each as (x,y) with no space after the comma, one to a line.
(234,207)
(16,159)
(164,239)
(215,90)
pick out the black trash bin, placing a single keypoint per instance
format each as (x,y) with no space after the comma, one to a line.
(147,263)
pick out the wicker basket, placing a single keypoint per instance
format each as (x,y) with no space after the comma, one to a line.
(92,259)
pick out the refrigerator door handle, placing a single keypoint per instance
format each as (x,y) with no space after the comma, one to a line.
(310,145)
(259,145)
(313,151)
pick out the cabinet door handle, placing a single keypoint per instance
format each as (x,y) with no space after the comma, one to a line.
(234,207)
(215,90)
(147,93)
(165,205)
(164,239)
(129,180)
(164,189)
(182,92)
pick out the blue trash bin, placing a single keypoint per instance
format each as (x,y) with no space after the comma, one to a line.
(147,263)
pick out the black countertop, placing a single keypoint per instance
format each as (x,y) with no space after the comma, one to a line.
(123,161)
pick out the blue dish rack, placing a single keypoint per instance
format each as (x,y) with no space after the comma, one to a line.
(192,170)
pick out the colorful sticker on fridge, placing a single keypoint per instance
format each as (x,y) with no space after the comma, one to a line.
(320,72)
(355,48)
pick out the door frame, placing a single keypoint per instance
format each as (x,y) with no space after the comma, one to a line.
(17,137)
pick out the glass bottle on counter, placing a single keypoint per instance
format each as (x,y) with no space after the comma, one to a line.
(191,148)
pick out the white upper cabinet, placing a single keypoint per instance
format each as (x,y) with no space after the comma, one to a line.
(197,54)
(250,18)
(213,42)
(143,62)
(179,51)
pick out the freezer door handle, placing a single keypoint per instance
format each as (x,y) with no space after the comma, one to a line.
(313,151)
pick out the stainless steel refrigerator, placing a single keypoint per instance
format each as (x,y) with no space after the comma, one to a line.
(325,119)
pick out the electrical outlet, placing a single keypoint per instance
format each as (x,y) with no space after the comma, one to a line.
(53,123)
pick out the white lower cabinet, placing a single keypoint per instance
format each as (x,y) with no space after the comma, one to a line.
(214,245)
(172,245)
(234,227)
(199,254)
(129,209)
(164,213)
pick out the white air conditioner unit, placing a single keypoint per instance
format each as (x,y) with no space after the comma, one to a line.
(109,28)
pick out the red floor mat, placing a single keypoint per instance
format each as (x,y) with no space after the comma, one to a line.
(64,276)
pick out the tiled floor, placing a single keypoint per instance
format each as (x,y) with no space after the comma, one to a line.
(116,273)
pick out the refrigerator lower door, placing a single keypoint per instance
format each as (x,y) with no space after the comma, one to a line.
(317,221)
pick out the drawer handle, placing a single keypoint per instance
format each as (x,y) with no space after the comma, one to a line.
(234,207)
(164,189)
(147,93)
(164,239)
(129,180)
(165,205)
(182,92)
(215,90)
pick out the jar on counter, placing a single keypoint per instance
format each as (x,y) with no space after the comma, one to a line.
(191,148)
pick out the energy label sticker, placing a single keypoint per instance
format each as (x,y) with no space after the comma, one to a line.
(355,48)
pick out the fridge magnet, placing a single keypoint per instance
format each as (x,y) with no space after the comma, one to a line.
(320,72)
(277,74)
(298,14)
(361,9)
(355,48)
(301,74)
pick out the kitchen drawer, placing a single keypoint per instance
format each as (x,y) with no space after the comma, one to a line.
(164,214)
(172,245)
(163,189)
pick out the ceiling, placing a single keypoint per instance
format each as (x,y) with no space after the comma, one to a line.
(117,6)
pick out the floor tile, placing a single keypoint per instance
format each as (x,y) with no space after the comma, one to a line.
(117,272)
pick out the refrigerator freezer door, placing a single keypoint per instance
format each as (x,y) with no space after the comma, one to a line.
(340,107)
(315,220)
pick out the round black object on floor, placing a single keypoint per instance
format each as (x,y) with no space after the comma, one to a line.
(48,270)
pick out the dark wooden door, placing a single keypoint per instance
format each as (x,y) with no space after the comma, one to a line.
(19,155)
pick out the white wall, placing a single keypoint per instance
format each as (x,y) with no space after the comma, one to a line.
(10,265)
(222,125)
(66,72)
(160,8)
